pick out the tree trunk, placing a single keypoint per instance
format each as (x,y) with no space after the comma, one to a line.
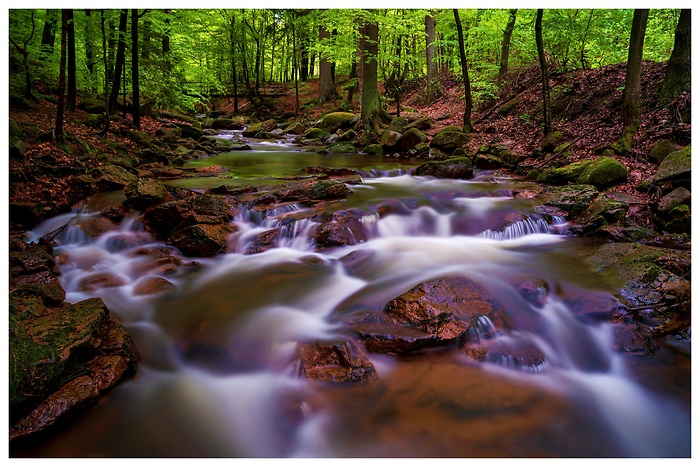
(352,87)
(303,47)
(111,47)
(135,98)
(48,36)
(89,54)
(545,74)
(70,39)
(505,47)
(467,120)
(58,133)
(119,63)
(24,50)
(433,90)
(326,86)
(372,112)
(166,36)
(631,105)
(677,77)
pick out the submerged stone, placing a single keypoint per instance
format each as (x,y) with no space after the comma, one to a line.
(456,167)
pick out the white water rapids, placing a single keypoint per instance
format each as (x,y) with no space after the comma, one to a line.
(218,378)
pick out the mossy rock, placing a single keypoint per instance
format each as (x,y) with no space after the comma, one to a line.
(110,178)
(563,175)
(412,138)
(551,141)
(341,148)
(676,198)
(398,124)
(456,167)
(679,219)
(573,199)
(509,105)
(675,167)
(317,133)
(374,150)
(140,137)
(335,120)
(449,140)
(603,172)
(145,192)
(390,139)
(329,189)
(660,150)
(423,123)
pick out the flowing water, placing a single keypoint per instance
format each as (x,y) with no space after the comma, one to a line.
(218,375)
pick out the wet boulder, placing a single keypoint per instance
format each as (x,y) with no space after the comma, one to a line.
(62,361)
(111,178)
(255,128)
(431,314)
(340,148)
(144,192)
(343,228)
(456,167)
(329,189)
(164,219)
(226,124)
(677,197)
(334,362)
(423,123)
(572,199)
(320,134)
(374,150)
(390,139)
(202,240)
(294,128)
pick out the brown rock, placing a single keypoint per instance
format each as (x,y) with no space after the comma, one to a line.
(202,239)
(100,280)
(152,285)
(335,362)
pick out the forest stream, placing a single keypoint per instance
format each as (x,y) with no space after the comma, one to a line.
(220,375)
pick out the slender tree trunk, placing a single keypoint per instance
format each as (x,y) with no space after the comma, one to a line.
(352,87)
(467,120)
(24,50)
(631,105)
(304,52)
(119,62)
(677,77)
(58,133)
(48,36)
(326,86)
(70,39)
(584,65)
(234,72)
(433,91)
(545,74)
(89,54)
(505,47)
(112,46)
(294,67)
(135,91)
(166,36)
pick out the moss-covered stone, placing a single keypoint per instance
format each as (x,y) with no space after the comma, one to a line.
(449,140)
(335,120)
(573,199)
(341,148)
(603,172)
(660,150)
(109,178)
(551,141)
(398,124)
(456,167)
(679,219)
(675,167)
(317,133)
(374,150)
(145,192)
(411,138)
(329,189)
(390,139)
(675,198)
(563,175)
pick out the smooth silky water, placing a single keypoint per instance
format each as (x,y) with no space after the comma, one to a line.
(218,377)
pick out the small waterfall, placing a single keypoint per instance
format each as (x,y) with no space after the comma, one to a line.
(519,229)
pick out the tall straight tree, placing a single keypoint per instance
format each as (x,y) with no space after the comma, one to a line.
(326,86)
(48,36)
(545,74)
(467,119)
(505,47)
(135,68)
(58,131)
(433,90)
(631,104)
(70,43)
(118,67)
(677,77)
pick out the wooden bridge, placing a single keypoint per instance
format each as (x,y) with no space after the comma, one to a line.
(238,90)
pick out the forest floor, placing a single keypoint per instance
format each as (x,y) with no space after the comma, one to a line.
(586,108)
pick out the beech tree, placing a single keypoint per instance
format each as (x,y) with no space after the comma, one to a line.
(326,85)
(433,90)
(467,119)
(24,50)
(546,112)
(58,131)
(505,47)
(70,43)
(372,112)
(631,106)
(135,111)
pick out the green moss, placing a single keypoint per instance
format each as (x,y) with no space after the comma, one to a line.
(317,133)
(602,172)
(374,150)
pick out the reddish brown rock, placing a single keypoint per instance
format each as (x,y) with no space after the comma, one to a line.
(514,351)
(152,285)
(334,362)
(343,228)
(202,240)
(100,280)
